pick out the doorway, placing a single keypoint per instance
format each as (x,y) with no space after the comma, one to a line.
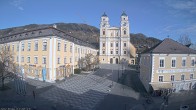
(111,61)
(116,60)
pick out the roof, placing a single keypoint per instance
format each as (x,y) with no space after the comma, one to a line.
(124,14)
(169,46)
(42,32)
(159,86)
(104,15)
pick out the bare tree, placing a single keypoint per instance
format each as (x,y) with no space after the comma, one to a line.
(7,65)
(193,46)
(184,39)
(88,61)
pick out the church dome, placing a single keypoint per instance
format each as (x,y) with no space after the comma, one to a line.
(104,15)
(124,14)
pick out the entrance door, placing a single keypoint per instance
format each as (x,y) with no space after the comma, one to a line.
(116,60)
(111,61)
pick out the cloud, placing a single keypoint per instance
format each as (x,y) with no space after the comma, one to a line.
(18,4)
(179,29)
(182,5)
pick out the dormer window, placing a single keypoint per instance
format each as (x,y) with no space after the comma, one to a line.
(40,32)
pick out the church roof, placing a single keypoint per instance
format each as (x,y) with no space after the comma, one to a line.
(169,46)
(104,15)
(124,14)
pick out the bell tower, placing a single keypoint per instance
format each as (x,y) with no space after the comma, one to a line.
(104,25)
(124,25)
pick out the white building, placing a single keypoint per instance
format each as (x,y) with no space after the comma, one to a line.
(115,41)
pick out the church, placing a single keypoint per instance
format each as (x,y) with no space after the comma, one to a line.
(114,42)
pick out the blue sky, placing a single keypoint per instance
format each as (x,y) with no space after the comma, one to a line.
(156,18)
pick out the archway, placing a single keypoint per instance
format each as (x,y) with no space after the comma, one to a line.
(111,61)
(116,60)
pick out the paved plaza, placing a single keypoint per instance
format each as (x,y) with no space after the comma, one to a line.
(109,88)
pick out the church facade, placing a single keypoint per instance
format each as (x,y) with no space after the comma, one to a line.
(114,42)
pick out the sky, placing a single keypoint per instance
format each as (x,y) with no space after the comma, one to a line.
(154,18)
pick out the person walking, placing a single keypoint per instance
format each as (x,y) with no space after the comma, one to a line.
(34,94)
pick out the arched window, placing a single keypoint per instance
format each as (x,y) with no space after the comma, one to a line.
(125,32)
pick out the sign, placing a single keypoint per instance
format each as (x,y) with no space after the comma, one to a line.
(176,70)
(32,65)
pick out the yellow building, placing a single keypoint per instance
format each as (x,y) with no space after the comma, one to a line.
(114,42)
(46,47)
(168,66)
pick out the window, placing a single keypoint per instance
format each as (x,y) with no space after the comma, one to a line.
(161,63)
(65,47)
(13,47)
(183,62)
(36,60)
(17,47)
(125,32)
(182,77)
(125,52)
(22,46)
(36,46)
(191,76)
(28,59)
(103,32)
(76,49)
(22,59)
(64,60)
(193,62)
(111,52)
(44,48)
(43,60)
(58,60)
(59,46)
(173,63)
(117,44)
(76,59)
(111,33)
(103,52)
(12,58)
(125,45)
(71,48)
(117,52)
(29,46)
(111,44)
(160,78)
(172,77)
(17,59)
(70,60)
(8,48)
(103,44)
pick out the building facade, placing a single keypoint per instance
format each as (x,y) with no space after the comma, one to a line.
(115,41)
(168,66)
(48,48)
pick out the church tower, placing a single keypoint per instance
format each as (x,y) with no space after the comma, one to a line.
(124,25)
(104,25)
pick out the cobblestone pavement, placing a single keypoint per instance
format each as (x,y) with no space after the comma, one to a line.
(95,91)
(81,92)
